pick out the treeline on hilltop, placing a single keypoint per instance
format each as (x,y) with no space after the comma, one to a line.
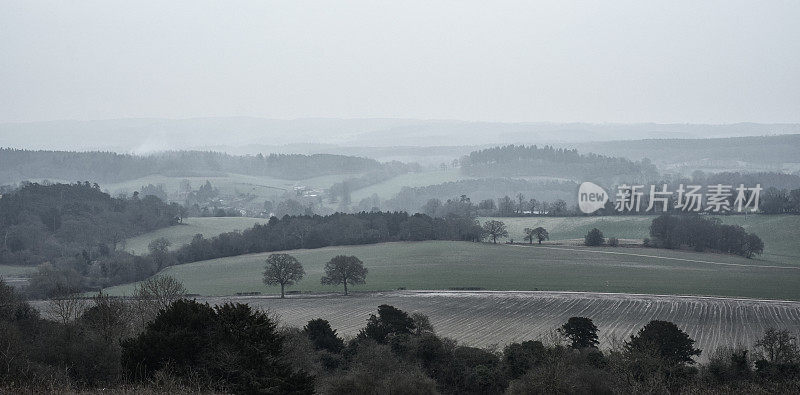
(49,222)
(162,342)
(521,160)
(317,231)
(107,167)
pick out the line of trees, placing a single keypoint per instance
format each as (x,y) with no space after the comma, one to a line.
(187,346)
(317,231)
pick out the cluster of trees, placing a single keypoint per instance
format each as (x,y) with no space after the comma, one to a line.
(701,233)
(187,346)
(285,269)
(521,160)
(780,201)
(107,167)
(51,222)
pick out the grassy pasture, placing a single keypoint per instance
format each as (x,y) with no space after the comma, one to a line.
(183,233)
(443,264)
(779,232)
(387,189)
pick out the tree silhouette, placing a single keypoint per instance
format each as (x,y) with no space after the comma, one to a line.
(495,229)
(537,233)
(343,269)
(283,269)
(581,332)
(663,339)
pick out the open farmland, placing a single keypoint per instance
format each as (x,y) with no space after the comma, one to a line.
(488,318)
(780,233)
(388,188)
(182,234)
(230,184)
(446,264)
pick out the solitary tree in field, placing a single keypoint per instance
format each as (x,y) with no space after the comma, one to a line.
(537,233)
(495,229)
(344,270)
(283,270)
(581,332)
(594,238)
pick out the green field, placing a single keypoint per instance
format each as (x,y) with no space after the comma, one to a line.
(387,189)
(15,271)
(779,232)
(443,265)
(183,233)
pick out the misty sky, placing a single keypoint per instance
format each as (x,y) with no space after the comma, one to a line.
(621,61)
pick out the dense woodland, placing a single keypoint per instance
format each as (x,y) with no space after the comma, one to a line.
(520,160)
(702,233)
(160,342)
(47,222)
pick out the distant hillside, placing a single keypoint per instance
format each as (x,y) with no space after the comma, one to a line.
(756,153)
(152,135)
(108,167)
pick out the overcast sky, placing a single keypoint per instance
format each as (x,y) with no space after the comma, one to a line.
(595,61)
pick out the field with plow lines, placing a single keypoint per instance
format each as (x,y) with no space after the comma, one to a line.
(497,318)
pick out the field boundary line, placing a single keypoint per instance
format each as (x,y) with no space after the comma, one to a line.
(664,257)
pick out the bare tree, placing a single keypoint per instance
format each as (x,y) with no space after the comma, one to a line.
(345,270)
(283,270)
(66,307)
(155,294)
(495,229)
(159,250)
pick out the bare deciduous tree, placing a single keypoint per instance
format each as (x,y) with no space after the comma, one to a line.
(345,270)
(283,270)
(66,307)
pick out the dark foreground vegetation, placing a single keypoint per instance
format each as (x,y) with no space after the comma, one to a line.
(160,342)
